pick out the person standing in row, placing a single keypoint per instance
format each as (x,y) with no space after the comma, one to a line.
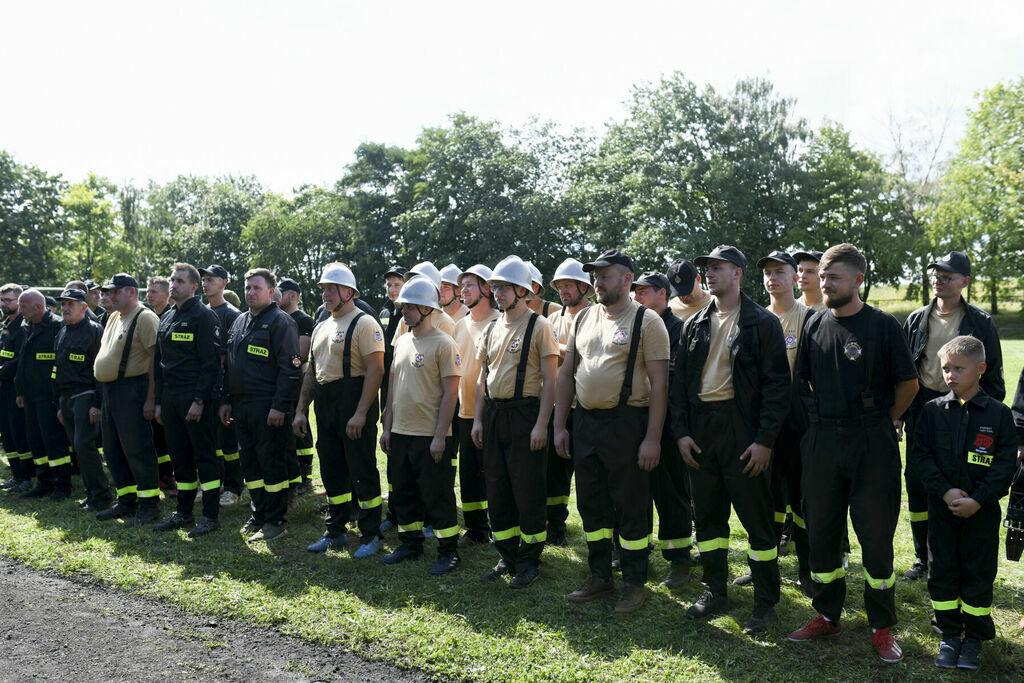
(450,302)
(535,303)
(304,323)
(686,300)
(12,416)
(441,320)
(807,279)
(390,315)
(158,300)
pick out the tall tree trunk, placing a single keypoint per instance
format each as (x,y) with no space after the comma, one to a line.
(993,299)
(925,286)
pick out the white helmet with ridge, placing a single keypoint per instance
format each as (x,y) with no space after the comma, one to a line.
(428,270)
(480,270)
(535,276)
(419,291)
(338,274)
(450,274)
(514,271)
(571,269)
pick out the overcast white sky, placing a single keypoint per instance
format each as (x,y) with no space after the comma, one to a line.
(286,90)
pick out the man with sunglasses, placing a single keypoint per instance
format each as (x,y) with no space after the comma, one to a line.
(928,328)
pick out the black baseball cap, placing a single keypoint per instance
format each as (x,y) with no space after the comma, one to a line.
(215,271)
(809,255)
(778,257)
(723,252)
(73,294)
(682,275)
(120,280)
(398,270)
(289,285)
(91,285)
(50,301)
(653,279)
(953,262)
(612,257)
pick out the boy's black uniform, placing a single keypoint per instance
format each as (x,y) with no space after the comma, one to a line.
(976,323)
(12,418)
(227,440)
(970,446)
(304,449)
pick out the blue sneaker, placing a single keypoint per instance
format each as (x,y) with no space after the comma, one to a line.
(327,542)
(402,553)
(367,549)
(386,525)
(428,531)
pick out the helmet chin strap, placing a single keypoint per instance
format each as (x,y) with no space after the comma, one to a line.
(341,302)
(422,317)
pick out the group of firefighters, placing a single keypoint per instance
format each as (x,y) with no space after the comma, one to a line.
(671,388)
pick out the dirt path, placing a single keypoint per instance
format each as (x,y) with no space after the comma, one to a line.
(57,629)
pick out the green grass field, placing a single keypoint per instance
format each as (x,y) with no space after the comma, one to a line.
(456,627)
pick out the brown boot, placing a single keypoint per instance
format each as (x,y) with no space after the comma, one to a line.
(677,577)
(592,589)
(632,598)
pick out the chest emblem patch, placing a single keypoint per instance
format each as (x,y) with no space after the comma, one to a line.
(790,341)
(339,337)
(417,360)
(983,442)
(515,345)
(620,337)
(852,350)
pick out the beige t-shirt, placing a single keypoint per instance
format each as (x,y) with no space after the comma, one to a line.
(108,360)
(603,347)
(442,321)
(684,312)
(563,324)
(792,324)
(506,343)
(942,327)
(416,388)
(716,378)
(459,314)
(328,346)
(467,331)
(816,307)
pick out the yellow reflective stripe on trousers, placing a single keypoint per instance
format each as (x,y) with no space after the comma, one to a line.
(976,611)
(763,555)
(296,480)
(638,544)
(799,521)
(274,488)
(598,535)
(148,493)
(66,460)
(919,516)
(163,458)
(534,538)
(506,534)
(372,503)
(220,453)
(830,576)
(447,532)
(780,517)
(470,507)
(413,526)
(945,604)
(210,485)
(306,451)
(188,485)
(558,500)
(230,457)
(675,543)
(40,461)
(880,584)
(254,484)
(712,544)
(338,500)
(125,490)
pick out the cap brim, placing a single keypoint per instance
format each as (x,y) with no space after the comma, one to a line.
(945,267)
(766,259)
(591,267)
(799,256)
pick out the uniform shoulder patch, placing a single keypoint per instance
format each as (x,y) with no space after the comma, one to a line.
(458,359)
(377,336)
(296,361)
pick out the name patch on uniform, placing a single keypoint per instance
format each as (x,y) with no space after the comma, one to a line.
(417,360)
(79,357)
(620,336)
(515,345)
(258,351)
(852,350)
(45,356)
(6,354)
(790,341)
(975,458)
(182,336)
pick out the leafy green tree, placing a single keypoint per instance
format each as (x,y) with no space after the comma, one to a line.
(31,223)
(92,248)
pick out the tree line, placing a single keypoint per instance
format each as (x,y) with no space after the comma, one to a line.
(687,168)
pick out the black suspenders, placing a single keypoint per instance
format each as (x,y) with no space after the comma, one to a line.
(346,356)
(524,356)
(634,350)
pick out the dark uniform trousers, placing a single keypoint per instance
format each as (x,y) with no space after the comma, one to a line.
(227,449)
(82,435)
(612,492)
(193,453)
(265,454)
(163,454)
(347,466)
(304,451)
(13,432)
(787,469)
(559,481)
(514,480)
(48,445)
(670,488)
(852,463)
(128,441)
(965,555)
(471,480)
(423,489)
(723,435)
(917,496)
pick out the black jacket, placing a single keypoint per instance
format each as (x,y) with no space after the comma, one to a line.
(36,359)
(12,335)
(77,346)
(188,351)
(953,442)
(262,359)
(760,370)
(675,329)
(976,323)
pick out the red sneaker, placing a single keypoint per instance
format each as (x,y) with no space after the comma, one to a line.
(888,649)
(820,627)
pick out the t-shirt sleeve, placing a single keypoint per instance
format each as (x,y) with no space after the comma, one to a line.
(449,364)
(802,368)
(305,324)
(654,337)
(146,328)
(901,362)
(545,338)
(481,348)
(399,331)
(371,339)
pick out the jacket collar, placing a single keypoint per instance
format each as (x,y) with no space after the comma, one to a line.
(978,399)
(748,311)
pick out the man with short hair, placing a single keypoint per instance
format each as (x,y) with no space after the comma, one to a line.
(262,381)
(12,416)
(36,393)
(124,369)
(807,279)
(390,316)
(688,296)
(858,364)
(616,364)
(187,363)
(158,300)
(449,295)
(946,316)
(158,294)
(94,293)
(304,450)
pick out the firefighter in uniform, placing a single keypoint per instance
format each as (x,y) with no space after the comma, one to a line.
(442,321)
(616,364)
(77,345)
(421,402)
(807,280)
(304,450)
(390,316)
(37,395)
(342,382)
(12,416)
(215,279)
(188,363)
(858,363)
(515,394)
(450,302)
(695,299)
(729,398)
(928,328)
(262,377)
(670,482)
(535,303)
(476,297)
(574,291)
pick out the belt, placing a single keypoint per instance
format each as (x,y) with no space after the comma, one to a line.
(508,403)
(863,419)
(714,406)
